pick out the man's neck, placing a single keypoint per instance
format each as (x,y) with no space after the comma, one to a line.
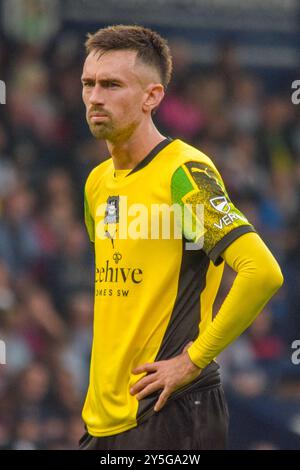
(129,153)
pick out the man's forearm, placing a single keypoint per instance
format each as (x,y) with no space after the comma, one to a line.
(258,278)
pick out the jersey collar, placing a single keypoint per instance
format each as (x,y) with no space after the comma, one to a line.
(151,155)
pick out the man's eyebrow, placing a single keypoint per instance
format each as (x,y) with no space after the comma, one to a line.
(86,78)
(102,79)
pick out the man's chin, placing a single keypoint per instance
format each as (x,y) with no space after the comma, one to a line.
(100,132)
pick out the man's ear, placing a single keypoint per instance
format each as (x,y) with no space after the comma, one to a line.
(154,94)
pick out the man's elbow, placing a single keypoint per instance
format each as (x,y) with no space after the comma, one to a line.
(272,279)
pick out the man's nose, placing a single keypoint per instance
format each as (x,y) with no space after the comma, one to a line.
(96,96)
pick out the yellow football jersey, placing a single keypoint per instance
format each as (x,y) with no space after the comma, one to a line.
(154,290)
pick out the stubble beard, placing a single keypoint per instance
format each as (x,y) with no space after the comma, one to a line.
(105,131)
(101,131)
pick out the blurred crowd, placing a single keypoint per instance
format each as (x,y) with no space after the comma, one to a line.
(46,260)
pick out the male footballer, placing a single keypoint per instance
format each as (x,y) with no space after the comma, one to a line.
(154,379)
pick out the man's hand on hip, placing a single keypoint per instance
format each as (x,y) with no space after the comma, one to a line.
(168,375)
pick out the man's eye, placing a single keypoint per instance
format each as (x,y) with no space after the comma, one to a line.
(88,84)
(111,85)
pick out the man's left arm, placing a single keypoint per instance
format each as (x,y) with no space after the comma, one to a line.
(227,236)
(258,278)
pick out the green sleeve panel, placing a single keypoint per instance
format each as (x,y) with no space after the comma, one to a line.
(195,185)
(89,221)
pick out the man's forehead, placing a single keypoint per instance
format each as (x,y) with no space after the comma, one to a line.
(112,62)
(122,64)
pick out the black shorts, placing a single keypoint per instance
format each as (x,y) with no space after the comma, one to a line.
(197,420)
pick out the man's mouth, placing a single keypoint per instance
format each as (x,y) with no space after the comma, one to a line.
(98,117)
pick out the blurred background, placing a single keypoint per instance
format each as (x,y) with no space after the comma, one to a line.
(234,64)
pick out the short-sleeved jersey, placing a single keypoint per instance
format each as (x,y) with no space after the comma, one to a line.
(154,289)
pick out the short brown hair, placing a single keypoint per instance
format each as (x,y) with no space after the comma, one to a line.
(151,48)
